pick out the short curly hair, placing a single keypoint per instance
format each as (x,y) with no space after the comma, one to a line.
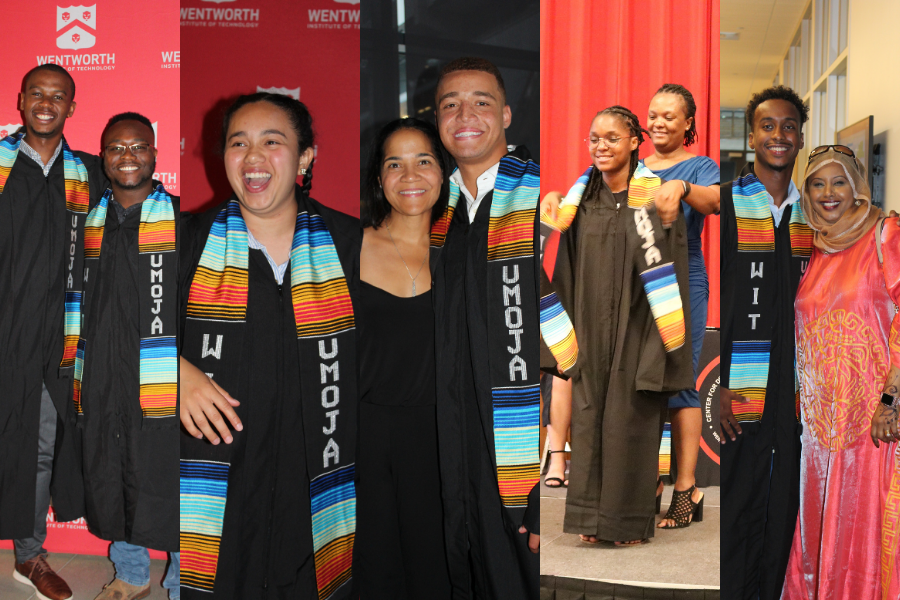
(778,92)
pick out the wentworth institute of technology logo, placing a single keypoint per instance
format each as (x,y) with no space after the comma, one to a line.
(71,22)
(222,13)
(333,17)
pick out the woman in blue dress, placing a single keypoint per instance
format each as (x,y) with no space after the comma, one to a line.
(693,182)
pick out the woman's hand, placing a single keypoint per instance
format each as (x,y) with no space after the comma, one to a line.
(203,404)
(885,424)
(668,201)
(550,204)
(884,420)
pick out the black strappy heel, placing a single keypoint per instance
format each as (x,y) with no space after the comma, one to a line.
(561,483)
(683,510)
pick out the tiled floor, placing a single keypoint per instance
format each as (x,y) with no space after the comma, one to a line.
(86,575)
(676,558)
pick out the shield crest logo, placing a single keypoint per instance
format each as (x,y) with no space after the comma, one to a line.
(294,93)
(76,37)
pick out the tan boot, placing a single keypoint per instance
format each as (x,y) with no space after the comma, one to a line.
(119,590)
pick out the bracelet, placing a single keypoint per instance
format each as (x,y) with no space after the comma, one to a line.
(687,189)
(887,399)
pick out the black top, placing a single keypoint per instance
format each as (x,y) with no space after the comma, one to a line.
(396,348)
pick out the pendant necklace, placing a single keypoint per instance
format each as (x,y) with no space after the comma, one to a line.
(404,261)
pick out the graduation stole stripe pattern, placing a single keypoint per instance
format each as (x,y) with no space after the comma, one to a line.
(751,354)
(660,283)
(325,328)
(77,203)
(157,287)
(204,485)
(512,297)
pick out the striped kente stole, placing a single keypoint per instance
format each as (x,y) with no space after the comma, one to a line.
(158,286)
(756,266)
(659,280)
(77,203)
(325,329)
(512,308)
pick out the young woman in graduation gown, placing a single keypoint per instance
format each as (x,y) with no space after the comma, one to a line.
(691,182)
(268,373)
(400,551)
(618,328)
(847,540)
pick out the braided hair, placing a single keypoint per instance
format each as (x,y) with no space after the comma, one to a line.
(633,124)
(298,116)
(690,108)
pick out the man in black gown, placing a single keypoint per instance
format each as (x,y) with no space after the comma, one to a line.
(761,450)
(39,453)
(491,548)
(130,455)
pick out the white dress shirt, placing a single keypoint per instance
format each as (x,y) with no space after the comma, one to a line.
(777,212)
(485,184)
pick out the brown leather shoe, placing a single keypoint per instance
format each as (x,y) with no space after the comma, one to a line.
(38,574)
(119,590)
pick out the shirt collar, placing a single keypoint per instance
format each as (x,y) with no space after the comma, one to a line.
(485,184)
(36,157)
(778,211)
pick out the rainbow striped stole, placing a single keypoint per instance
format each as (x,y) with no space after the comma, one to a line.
(204,487)
(751,351)
(325,326)
(77,202)
(641,190)
(157,269)
(556,327)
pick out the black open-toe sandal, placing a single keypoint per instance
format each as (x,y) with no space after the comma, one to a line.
(683,510)
(560,483)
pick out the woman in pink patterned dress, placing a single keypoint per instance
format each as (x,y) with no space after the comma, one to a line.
(847,542)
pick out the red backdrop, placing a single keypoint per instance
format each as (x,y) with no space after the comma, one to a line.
(121,61)
(308,48)
(596,53)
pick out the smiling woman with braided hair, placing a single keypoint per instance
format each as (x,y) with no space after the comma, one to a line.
(630,349)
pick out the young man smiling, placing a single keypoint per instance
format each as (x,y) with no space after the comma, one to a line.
(766,245)
(126,378)
(45,192)
(486,313)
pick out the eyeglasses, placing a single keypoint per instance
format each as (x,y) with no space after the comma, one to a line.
(836,147)
(136,149)
(608,142)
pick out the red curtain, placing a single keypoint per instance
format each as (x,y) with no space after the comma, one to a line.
(596,53)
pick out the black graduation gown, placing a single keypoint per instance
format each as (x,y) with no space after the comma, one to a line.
(487,557)
(267,546)
(623,376)
(33,254)
(761,469)
(130,467)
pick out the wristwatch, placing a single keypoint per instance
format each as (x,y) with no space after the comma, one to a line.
(887,399)
(687,189)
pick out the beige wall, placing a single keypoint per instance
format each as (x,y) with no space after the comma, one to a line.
(873,84)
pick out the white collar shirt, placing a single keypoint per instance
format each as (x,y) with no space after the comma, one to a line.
(485,184)
(277,270)
(778,211)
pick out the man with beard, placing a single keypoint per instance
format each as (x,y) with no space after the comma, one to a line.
(766,245)
(45,193)
(126,373)
(486,312)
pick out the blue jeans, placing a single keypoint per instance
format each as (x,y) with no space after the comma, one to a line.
(133,567)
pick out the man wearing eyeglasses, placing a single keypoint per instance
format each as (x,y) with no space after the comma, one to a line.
(126,372)
(766,245)
(46,189)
